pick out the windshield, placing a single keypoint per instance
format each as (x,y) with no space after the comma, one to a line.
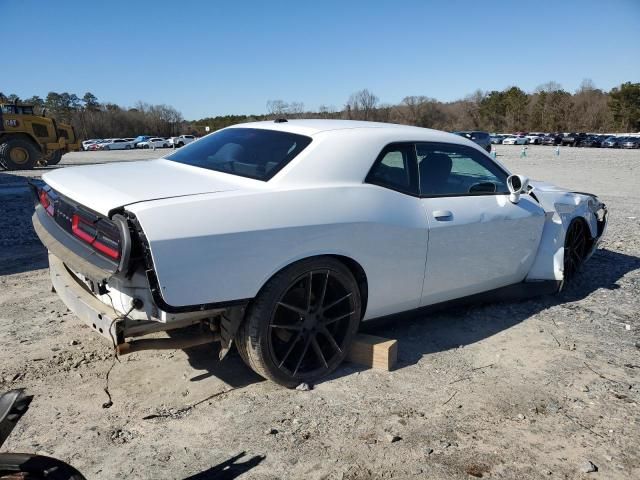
(247,152)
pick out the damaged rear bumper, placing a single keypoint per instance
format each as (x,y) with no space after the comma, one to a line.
(102,317)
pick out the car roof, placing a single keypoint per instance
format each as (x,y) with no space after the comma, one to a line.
(314,126)
(358,142)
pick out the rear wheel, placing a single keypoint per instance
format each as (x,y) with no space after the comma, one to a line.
(576,248)
(55,158)
(18,154)
(301,325)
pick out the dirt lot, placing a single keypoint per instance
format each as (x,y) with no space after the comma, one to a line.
(525,390)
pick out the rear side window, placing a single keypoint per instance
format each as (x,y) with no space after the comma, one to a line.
(395,168)
(246,152)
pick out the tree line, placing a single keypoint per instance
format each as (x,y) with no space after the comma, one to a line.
(549,108)
(94,119)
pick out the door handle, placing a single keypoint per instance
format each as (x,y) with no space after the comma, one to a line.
(443,215)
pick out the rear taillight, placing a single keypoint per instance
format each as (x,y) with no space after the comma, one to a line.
(104,240)
(46,202)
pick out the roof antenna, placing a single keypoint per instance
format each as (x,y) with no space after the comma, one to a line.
(280,120)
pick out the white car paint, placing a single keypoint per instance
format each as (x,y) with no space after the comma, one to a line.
(534,139)
(154,143)
(217,237)
(117,144)
(513,140)
(181,140)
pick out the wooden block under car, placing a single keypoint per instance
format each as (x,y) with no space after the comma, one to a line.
(371,351)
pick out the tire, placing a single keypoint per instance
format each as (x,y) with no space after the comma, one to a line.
(127,147)
(18,154)
(145,147)
(164,145)
(576,248)
(180,145)
(55,158)
(106,147)
(36,467)
(301,324)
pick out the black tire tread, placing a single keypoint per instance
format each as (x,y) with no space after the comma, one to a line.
(55,158)
(5,159)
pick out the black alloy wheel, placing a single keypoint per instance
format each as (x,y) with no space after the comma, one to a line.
(576,248)
(302,323)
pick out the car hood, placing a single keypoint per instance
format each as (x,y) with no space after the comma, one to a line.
(103,188)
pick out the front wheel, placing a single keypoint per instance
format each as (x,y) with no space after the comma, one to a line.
(55,158)
(300,326)
(18,154)
(576,248)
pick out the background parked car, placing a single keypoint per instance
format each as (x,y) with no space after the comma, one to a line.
(535,138)
(155,142)
(87,143)
(481,138)
(611,142)
(181,140)
(572,139)
(140,138)
(552,139)
(514,140)
(117,144)
(630,142)
(497,139)
(593,141)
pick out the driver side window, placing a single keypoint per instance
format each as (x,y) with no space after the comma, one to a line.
(457,170)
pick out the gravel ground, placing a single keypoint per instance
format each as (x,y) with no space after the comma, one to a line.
(523,390)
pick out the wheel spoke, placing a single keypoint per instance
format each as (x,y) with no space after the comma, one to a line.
(288,327)
(333,304)
(298,310)
(324,291)
(293,344)
(304,353)
(309,281)
(332,340)
(329,321)
(318,350)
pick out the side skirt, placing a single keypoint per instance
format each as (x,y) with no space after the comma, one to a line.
(510,293)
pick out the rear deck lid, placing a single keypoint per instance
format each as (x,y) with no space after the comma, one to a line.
(103,188)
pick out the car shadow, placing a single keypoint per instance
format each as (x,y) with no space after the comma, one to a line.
(420,334)
(231,370)
(229,469)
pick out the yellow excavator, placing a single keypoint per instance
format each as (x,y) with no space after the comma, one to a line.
(28,140)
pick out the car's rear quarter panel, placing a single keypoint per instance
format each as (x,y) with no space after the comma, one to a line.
(225,246)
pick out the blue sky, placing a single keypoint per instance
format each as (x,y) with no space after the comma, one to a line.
(215,58)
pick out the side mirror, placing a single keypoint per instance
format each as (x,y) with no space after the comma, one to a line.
(517,185)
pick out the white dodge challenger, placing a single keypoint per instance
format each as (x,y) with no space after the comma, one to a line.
(282,236)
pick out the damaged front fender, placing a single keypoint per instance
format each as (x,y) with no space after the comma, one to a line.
(561,207)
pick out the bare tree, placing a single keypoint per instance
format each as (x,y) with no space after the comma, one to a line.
(361,104)
(277,108)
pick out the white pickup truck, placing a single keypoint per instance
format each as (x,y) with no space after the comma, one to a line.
(181,141)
